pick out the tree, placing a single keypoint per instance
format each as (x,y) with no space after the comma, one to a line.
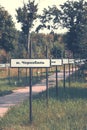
(27,16)
(74,17)
(40,41)
(7,31)
(50,19)
(19,48)
(57,50)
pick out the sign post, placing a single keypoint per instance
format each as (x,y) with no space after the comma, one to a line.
(30,82)
(56,62)
(56,82)
(47,93)
(31,63)
(65,62)
(71,62)
(69,75)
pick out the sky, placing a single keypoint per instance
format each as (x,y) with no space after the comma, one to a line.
(12,5)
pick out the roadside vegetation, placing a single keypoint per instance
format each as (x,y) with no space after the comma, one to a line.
(68,111)
(13,78)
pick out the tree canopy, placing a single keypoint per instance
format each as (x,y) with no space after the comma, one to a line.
(7,30)
(74,17)
(71,15)
(27,16)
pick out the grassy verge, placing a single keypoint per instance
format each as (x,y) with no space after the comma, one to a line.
(7,87)
(68,111)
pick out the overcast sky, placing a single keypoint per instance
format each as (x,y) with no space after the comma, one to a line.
(12,5)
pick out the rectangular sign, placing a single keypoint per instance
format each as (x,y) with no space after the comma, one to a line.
(65,61)
(55,62)
(80,61)
(2,66)
(6,65)
(77,61)
(71,61)
(25,63)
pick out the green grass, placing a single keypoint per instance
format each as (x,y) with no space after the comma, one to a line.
(7,86)
(68,111)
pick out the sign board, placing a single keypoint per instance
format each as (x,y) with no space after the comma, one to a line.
(71,61)
(77,61)
(82,61)
(55,62)
(4,65)
(7,65)
(27,63)
(65,61)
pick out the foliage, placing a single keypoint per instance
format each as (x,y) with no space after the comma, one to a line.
(50,19)
(83,44)
(74,17)
(39,43)
(27,16)
(20,46)
(57,50)
(7,31)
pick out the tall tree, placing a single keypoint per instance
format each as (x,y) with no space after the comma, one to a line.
(74,17)
(7,31)
(27,16)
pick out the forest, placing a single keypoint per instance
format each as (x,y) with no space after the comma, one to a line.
(71,15)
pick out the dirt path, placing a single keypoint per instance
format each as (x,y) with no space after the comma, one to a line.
(16,97)
(22,94)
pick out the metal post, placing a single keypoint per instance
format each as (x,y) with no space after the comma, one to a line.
(64,76)
(8,69)
(47,94)
(56,79)
(56,83)
(18,75)
(69,75)
(9,75)
(72,71)
(75,72)
(30,75)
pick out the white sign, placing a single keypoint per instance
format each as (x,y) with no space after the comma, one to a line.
(82,62)
(7,65)
(56,62)
(71,61)
(2,66)
(77,61)
(30,63)
(65,61)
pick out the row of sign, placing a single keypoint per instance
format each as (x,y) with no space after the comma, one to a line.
(40,62)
